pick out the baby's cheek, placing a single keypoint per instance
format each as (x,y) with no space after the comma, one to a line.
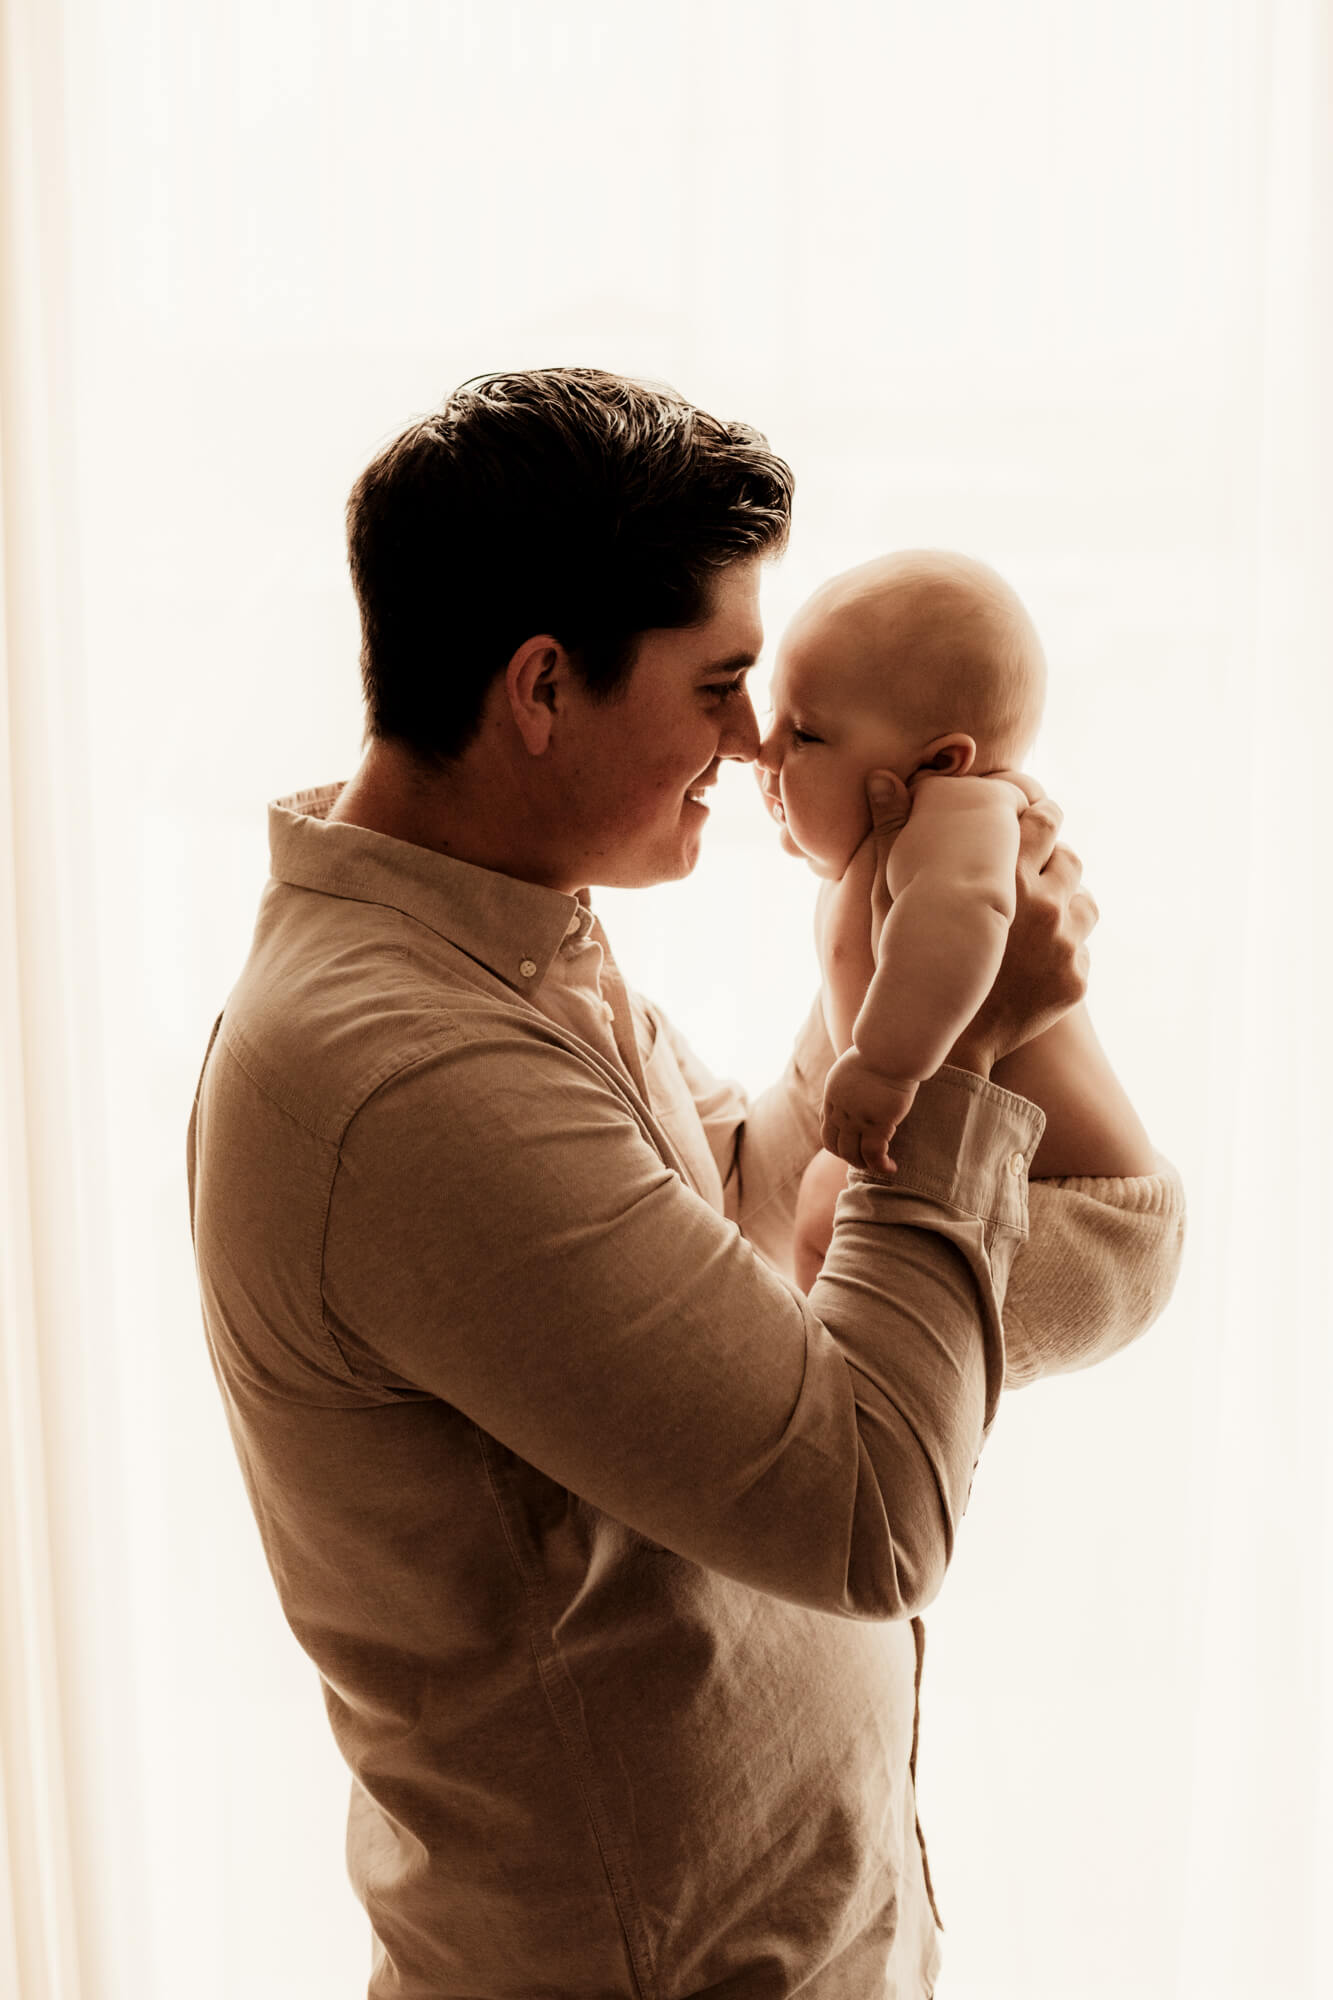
(849,819)
(821,807)
(830,829)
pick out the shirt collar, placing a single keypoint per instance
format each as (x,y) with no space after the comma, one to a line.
(513,928)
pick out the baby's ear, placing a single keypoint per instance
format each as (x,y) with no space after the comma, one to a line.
(951,756)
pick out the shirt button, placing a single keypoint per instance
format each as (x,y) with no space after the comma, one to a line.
(608,1011)
(528,969)
(572,925)
(1016,1163)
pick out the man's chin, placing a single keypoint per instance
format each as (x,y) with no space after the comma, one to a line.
(646,871)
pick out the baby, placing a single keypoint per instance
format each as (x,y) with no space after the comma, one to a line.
(926,664)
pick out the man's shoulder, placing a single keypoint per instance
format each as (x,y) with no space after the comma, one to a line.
(320,1024)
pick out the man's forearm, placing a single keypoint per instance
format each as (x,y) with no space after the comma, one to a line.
(1091,1125)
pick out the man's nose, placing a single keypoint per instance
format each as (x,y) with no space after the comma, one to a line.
(741,739)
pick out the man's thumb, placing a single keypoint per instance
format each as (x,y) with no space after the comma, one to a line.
(890,801)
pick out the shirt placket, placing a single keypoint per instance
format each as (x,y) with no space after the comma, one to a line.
(617,1011)
(584,991)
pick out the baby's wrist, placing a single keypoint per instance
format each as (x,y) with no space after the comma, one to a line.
(893,1078)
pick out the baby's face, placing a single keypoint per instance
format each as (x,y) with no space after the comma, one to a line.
(831,726)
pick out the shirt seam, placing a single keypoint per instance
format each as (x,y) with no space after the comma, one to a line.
(320,1317)
(549,1665)
(248,1060)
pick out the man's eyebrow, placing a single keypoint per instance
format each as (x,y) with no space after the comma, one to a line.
(739,663)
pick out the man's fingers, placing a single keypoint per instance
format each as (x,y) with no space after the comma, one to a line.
(1024,783)
(1064,870)
(889,799)
(1037,833)
(1084,911)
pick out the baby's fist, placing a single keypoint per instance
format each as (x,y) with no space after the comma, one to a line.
(862,1111)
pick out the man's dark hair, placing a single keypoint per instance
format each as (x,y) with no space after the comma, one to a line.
(560,500)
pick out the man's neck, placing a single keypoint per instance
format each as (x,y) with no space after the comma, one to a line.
(464,813)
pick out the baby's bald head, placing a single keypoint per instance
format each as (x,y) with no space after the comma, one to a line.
(940,640)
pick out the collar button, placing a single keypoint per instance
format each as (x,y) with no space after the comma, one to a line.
(528,969)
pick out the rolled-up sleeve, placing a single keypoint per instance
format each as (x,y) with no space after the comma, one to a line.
(1101,1257)
(1099,1266)
(502,1235)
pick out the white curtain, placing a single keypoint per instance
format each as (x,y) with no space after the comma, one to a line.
(1046,283)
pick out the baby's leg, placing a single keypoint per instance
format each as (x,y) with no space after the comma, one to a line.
(821,1184)
(1091,1126)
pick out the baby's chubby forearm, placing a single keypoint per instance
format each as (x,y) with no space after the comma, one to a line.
(940,949)
(951,878)
(939,952)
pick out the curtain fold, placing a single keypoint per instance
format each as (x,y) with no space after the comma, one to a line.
(1261,1794)
(68,1899)
(37,1892)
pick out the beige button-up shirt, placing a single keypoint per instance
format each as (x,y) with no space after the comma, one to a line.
(605,1541)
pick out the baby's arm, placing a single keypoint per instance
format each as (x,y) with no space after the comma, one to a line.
(951,877)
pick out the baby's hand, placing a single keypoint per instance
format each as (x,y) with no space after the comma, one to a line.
(862,1111)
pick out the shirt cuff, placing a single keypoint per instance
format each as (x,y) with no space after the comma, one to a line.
(969,1144)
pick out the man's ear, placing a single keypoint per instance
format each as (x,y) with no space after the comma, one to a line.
(952,756)
(537,675)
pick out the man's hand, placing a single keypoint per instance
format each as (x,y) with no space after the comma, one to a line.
(890,804)
(862,1111)
(1045,968)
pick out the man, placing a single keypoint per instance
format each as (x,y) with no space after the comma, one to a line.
(606,1542)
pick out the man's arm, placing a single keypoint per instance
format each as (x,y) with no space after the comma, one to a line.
(1099,1266)
(1091,1125)
(502,1235)
(1103,1254)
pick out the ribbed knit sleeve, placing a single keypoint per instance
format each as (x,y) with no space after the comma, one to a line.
(1099,1265)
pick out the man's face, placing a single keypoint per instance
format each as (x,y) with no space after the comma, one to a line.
(637,772)
(831,726)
